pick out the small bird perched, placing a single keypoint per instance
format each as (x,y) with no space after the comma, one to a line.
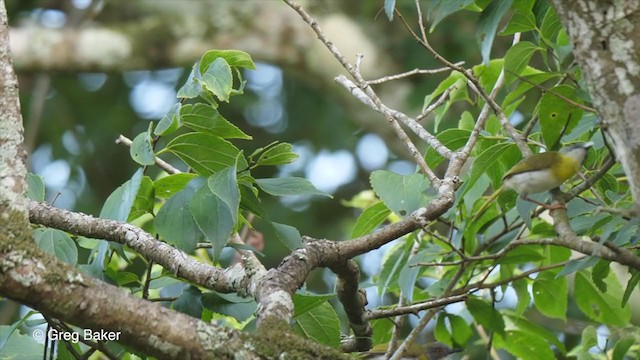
(541,172)
(430,351)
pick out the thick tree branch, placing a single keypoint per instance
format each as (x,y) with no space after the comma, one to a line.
(233,279)
(604,36)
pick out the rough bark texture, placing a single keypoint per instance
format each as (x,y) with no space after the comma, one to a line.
(606,38)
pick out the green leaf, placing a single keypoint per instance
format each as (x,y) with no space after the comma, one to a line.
(460,330)
(249,200)
(145,200)
(389,7)
(535,330)
(303,303)
(631,285)
(204,118)
(174,221)
(57,243)
(557,117)
(225,185)
(392,264)
(409,274)
(171,184)
(522,254)
(622,347)
(118,204)
(487,25)
(189,302)
(234,58)
(521,21)
(213,217)
(403,194)
(599,306)
(205,153)
(381,331)
(524,299)
(20,347)
(453,139)
(218,79)
(525,346)
(551,25)
(440,9)
(141,150)
(485,314)
(288,235)
(289,186)
(321,324)
(453,78)
(370,218)
(170,122)
(589,337)
(6,330)
(599,273)
(440,332)
(191,87)
(35,187)
(277,155)
(550,295)
(488,159)
(577,265)
(238,307)
(517,59)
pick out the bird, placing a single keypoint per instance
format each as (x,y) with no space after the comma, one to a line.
(429,351)
(541,172)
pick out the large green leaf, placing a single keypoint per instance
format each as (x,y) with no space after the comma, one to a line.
(453,139)
(285,186)
(167,186)
(191,87)
(487,160)
(303,303)
(485,314)
(439,9)
(279,154)
(557,117)
(214,218)
(288,235)
(321,324)
(205,153)
(232,305)
(141,150)
(403,194)
(174,221)
(57,243)
(521,21)
(525,346)
(370,218)
(145,199)
(603,307)
(224,184)
(517,59)
(487,25)
(204,118)
(189,302)
(235,58)
(218,79)
(550,295)
(170,122)
(35,186)
(118,204)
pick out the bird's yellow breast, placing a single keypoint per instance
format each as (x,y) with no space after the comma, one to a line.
(565,168)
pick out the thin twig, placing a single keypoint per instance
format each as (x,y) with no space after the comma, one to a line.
(410,73)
